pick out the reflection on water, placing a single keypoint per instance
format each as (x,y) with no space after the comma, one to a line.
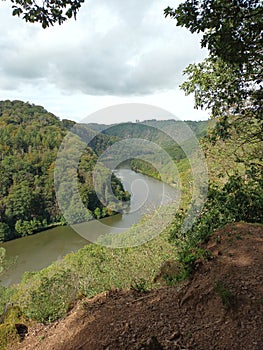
(38,251)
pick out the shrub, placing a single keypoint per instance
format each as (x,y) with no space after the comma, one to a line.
(5,297)
(52,299)
(8,335)
(238,200)
(140,285)
(8,329)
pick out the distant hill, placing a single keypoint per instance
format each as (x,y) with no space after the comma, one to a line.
(168,141)
(154,130)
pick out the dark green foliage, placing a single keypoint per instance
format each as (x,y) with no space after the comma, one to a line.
(68,124)
(144,167)
(140,285)
(29,141)
(5,232)
(234,26)
(157,131)
(166,141)
(229,81)
(49,13)
(101,141)
(52,299)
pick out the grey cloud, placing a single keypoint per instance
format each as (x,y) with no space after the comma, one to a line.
(139,53)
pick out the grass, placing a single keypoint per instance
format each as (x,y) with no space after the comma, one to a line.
(227,297)
(47,295)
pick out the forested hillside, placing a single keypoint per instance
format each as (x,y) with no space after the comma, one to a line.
(168,134)
(29,141)
(140,130)
(167,141)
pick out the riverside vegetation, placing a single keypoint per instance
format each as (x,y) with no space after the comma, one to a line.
(29,141)
(229,82)
(47,295)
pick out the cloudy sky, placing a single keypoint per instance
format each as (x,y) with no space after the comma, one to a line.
(116,52)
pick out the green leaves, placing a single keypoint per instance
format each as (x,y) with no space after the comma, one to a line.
(216,86)
(51,11)
(232,29)
(229,81)
(17,11)
(29,140)
(52,299)
(5,232)
(238,200)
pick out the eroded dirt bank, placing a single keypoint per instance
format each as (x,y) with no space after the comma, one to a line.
(220,307)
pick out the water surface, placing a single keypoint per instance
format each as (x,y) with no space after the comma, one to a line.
(35,252)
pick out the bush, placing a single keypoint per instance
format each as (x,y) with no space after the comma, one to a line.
(11,319)
(52,299)
(5,232)
(238,200)
(5,297)
(140,285)
(8,335)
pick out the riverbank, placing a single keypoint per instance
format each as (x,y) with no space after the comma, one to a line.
(37,251)
(220,307)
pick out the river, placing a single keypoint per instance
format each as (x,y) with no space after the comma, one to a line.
(35,252)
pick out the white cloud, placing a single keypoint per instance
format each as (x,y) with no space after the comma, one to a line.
(115,51)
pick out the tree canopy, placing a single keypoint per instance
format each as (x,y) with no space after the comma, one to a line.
(229,81)
(232,32)
(29,141)
(47,12)
(232,29)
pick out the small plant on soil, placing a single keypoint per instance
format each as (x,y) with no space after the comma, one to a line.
(140,285)
(225,294)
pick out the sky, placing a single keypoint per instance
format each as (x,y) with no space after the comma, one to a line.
(115,52)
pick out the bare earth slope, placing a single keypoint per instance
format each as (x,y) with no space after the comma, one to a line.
(220,307)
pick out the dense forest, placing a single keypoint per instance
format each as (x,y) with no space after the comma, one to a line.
(155,146)
(30,138)
(29,141)
(170,134)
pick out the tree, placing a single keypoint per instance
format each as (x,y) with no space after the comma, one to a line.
(5,232)
(229,81)
(232,32)
(231,28)
(21,202)
(48,13)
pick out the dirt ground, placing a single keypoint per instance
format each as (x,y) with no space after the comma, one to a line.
(219,307)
